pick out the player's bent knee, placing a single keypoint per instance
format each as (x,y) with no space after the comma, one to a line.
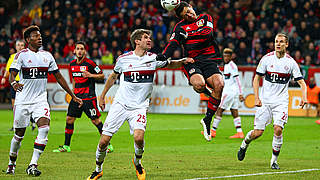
(257,133)
(104,141)
(277,130)
(199,88)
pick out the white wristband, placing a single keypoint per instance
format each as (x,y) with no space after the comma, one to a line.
(13,83)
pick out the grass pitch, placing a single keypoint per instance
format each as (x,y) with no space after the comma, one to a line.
(174,149)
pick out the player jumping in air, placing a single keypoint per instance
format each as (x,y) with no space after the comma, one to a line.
(195,33)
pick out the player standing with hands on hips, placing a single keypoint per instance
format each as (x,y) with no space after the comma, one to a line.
(277,67)
(33,66)
(195,34)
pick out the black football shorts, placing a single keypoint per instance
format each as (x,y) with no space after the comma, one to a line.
(205,68)
(89,107)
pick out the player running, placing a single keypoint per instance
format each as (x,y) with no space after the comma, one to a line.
(277,67)
(137,69)
(232,93)
(195,34)
(85,72)
(33,65)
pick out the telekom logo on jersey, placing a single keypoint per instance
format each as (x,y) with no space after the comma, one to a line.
(33,72)
(134,76)
(274,77)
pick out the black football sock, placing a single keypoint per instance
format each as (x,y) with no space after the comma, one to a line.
(68,133)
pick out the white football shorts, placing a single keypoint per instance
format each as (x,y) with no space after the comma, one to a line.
(118,114)
(265,113)
(229,101)
(23,112)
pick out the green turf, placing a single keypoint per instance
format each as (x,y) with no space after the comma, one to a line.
(175,149)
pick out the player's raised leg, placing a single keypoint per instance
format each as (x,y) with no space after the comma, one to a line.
(98,123)
(101,153)
(251,135)
(216,82)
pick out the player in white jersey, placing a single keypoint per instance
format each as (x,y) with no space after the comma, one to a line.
(277,68)
(130,104)
(232,93)
(33,66)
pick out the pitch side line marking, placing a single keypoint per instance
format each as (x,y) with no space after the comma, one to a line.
(256,174)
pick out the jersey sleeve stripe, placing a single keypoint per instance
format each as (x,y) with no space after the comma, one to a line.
(54,71)
(298,78)
(260,74)
(13,69)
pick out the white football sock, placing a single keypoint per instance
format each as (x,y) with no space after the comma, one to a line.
(100,156)
(247,140)
(216,122)
(40,143)
(237,124)
(138,152)
(276,146)
(14,148)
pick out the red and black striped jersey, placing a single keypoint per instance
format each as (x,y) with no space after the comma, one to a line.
(84,87)
(196,38)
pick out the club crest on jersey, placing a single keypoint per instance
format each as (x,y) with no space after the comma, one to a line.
(192,71)
(130,66)
(45,60)
(200,23)
(83,68)
(286,68)
(97,69)
(29,61)
(172,36)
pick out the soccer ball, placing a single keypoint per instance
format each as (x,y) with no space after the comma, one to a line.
(169,5)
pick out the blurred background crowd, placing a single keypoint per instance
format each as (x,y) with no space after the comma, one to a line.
(246,26)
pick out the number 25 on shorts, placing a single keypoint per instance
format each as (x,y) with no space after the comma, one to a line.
(141,118)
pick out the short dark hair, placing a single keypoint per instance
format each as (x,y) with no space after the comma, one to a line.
(137,35)
(80,42)
(180,8)
(28,30)
(284,35)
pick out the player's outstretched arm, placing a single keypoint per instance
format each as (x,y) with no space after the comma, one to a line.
(304,92)
(255,84)
(179,62)
(60,79)
(110,81)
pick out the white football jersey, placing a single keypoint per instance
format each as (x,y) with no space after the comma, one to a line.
(277,74)
(232,84)
(136,79)
(33,68)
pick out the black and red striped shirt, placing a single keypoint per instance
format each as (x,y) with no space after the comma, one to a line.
(84,87)
(196,38)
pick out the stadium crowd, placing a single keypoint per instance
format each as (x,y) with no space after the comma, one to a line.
(248,27)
